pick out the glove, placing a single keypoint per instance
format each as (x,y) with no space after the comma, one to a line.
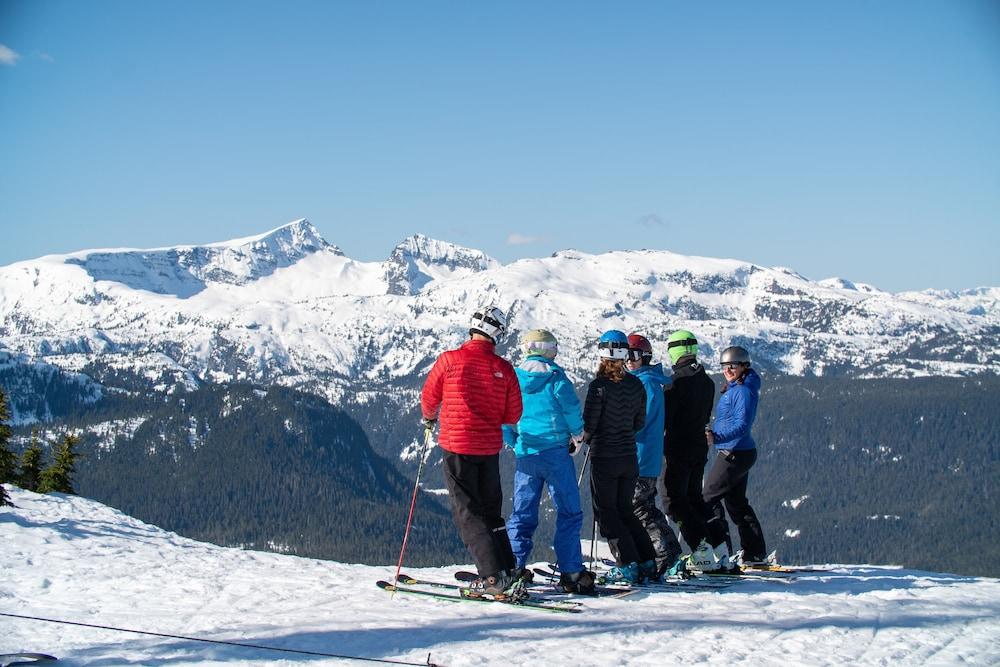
(428,423)
(576,444)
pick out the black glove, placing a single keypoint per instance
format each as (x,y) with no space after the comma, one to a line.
(428,423)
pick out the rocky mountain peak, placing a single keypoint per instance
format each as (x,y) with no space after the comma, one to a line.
(419,260)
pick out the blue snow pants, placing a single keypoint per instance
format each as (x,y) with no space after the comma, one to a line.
(553,467)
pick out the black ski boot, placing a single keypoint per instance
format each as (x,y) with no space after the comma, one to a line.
(500,586)
(578,582)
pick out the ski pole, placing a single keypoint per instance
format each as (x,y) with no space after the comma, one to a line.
(583,471)
(593,529)
(413,504)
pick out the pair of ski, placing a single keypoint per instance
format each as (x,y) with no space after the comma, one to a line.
(668,583)
(460,593)
(743,574)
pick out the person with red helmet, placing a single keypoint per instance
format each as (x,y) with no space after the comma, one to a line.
(474,392)
(649,444)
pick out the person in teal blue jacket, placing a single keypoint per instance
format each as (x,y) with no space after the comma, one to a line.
(549,432)
(649,443)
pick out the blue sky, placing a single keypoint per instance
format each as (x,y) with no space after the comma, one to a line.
(856,139)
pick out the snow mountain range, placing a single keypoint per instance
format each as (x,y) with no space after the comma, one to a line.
(290,308)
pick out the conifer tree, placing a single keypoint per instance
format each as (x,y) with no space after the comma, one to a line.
(31,464)
(58,477)
(8,461)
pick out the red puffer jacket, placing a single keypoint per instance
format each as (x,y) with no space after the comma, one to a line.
(477,391)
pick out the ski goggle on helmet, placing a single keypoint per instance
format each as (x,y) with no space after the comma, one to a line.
(489,321)
(540,342)
(613,345)
(735,356)
(639,347)
(681,344)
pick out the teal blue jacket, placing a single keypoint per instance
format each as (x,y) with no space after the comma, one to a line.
(649,441)
(551,410)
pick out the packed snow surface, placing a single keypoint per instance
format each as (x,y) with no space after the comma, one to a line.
(72,559)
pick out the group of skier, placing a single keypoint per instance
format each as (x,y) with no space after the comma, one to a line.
(638,422)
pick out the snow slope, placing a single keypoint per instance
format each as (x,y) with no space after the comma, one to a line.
(69,558)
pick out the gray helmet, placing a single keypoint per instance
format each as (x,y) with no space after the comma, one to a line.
(735,355)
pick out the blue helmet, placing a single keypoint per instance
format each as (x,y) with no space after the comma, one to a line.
(613,344)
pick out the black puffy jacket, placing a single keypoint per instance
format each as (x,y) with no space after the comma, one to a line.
(612,414)
(687,408)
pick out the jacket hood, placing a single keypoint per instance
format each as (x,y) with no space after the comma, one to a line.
(534,373)
(653,372)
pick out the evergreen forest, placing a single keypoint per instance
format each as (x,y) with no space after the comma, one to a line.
(881,471)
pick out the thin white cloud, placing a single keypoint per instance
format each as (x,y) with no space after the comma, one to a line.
(8,56)
(46,57)
(520,239)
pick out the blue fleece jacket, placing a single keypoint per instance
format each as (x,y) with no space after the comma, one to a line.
(551,412)
(649,441)
(735,414)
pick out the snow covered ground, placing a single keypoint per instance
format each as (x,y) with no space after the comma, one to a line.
(72,559)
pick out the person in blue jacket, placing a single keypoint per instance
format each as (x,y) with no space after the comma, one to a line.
(649,445)
(736,453)
(549,432)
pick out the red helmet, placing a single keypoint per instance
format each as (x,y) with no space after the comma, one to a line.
(639,347)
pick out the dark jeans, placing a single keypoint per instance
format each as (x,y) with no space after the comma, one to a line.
(612,486)
(727,483)
(682,498)
(660,533)
(476,500)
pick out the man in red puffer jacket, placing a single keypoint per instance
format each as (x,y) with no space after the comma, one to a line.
(477,392)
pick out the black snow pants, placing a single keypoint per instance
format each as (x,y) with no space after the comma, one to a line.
(660,533)
(476,501)
(612,487)
(727,483)
(683,501)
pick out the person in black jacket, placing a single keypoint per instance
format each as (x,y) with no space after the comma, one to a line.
(614,411)
(688,407)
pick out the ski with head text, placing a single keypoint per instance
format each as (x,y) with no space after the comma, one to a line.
(462,596)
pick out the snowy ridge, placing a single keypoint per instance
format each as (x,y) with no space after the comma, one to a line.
(72,559)
(185,270)
(290,308)
(419,260)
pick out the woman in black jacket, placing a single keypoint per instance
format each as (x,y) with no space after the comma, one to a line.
(615,410)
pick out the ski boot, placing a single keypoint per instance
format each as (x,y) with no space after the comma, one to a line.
(623,574)
(702,559)
(500,586)
(648,572)
(723,561)
(578,582)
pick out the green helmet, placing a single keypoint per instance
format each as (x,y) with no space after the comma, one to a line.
(680,344)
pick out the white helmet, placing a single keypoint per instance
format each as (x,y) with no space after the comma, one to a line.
(489,321)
